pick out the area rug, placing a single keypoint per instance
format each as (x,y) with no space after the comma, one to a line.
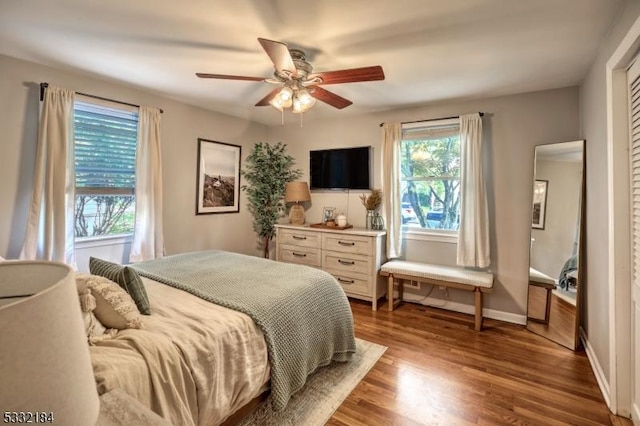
(323,393)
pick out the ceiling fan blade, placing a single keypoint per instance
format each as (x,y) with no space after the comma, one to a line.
(229,77)
(279,54)
(265,101)
(351,75)
(329,98)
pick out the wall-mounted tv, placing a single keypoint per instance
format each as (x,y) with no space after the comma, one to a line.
(345,168)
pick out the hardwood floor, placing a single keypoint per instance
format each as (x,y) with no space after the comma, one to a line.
(438,371)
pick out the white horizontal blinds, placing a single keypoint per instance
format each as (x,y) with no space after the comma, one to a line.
(105,149)
(634,125)
(428,131)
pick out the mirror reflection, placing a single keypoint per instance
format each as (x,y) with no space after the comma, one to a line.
(555,252)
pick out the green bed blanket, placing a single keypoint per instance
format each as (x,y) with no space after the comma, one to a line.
(303,312)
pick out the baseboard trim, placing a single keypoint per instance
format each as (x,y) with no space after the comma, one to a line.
(597,369)
(465,309)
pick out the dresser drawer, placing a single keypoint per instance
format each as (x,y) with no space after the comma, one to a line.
(353,283)
(347,243)
(299,238)
(301,255)
(346,262)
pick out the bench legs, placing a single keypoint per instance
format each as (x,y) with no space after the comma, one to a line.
(478,322)
(393,303)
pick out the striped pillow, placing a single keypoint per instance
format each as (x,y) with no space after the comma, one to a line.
(126,278)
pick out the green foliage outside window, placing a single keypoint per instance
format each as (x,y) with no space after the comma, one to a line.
(431,182)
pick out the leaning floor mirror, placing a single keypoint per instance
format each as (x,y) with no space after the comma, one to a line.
(556,250)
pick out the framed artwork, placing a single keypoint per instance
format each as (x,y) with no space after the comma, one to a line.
(539,203)
(327,214)
(218,181)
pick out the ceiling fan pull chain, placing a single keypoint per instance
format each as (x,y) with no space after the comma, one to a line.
(282,117)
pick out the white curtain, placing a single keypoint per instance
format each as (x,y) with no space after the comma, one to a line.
(50,224)
(148,240)
(392,138)
(473,235)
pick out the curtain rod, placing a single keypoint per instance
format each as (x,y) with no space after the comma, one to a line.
(45,85)
(433,119)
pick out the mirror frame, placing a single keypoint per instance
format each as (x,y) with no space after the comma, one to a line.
(581,249)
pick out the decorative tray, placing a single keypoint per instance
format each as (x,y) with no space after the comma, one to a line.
(324,226)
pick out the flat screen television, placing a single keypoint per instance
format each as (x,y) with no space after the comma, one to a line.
(345,168)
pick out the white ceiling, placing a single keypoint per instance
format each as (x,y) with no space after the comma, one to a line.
(431,50)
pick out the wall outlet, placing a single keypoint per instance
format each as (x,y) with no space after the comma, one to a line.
(442,288)
(412,284)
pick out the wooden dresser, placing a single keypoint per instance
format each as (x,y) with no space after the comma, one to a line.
(353,256)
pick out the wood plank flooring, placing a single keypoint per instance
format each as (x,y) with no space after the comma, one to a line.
(438,371)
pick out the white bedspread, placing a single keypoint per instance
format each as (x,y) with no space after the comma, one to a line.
(194,363)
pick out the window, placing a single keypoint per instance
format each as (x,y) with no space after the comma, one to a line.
(105,163)
(430,176)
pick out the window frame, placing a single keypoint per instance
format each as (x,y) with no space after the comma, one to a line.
(419,233)
(105,239)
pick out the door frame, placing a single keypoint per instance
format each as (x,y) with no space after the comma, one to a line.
(619,224)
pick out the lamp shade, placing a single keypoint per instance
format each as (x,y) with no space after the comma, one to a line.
(44,356)
(296,192)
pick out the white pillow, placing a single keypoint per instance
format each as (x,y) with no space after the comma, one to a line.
(94,330)
(114,308)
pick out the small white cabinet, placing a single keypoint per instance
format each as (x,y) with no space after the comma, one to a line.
(353,256)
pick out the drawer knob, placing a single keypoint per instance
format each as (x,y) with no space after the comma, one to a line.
(346,262)
(299,254)
(346,243)
(295,237)
(342,280)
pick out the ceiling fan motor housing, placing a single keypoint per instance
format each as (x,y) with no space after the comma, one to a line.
(303,67)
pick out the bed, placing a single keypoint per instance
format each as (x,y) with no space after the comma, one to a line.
(224,328)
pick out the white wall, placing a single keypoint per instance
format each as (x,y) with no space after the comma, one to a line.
(182,125)
(593,128)
(513,125)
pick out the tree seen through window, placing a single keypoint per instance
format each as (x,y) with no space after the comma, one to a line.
(430,180)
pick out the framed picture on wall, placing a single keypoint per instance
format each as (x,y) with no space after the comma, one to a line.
(218,181)
(539,203)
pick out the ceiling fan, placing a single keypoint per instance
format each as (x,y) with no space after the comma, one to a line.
(299,85)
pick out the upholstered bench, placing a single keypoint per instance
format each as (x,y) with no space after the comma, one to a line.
(464,279)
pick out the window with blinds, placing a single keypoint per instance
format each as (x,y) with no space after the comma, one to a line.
(105,163)
(430,176)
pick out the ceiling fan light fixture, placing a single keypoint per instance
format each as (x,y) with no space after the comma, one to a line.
(302,101)
(285,94)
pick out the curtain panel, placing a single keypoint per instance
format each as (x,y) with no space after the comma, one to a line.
(148,239)
(50,224)
(473,235)
(391,174)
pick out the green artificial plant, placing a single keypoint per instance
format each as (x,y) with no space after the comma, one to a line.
(267,170)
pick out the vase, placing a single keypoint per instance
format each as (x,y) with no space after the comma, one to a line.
(369,221)
(377,222)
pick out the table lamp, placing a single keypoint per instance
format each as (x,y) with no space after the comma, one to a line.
(45,368)
(296,192)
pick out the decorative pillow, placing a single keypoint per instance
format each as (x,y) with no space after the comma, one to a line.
(114,308)
(94,330)
(126,277)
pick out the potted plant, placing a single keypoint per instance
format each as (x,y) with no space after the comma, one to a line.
(268,168)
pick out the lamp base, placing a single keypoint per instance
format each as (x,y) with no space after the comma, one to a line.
(296,215)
